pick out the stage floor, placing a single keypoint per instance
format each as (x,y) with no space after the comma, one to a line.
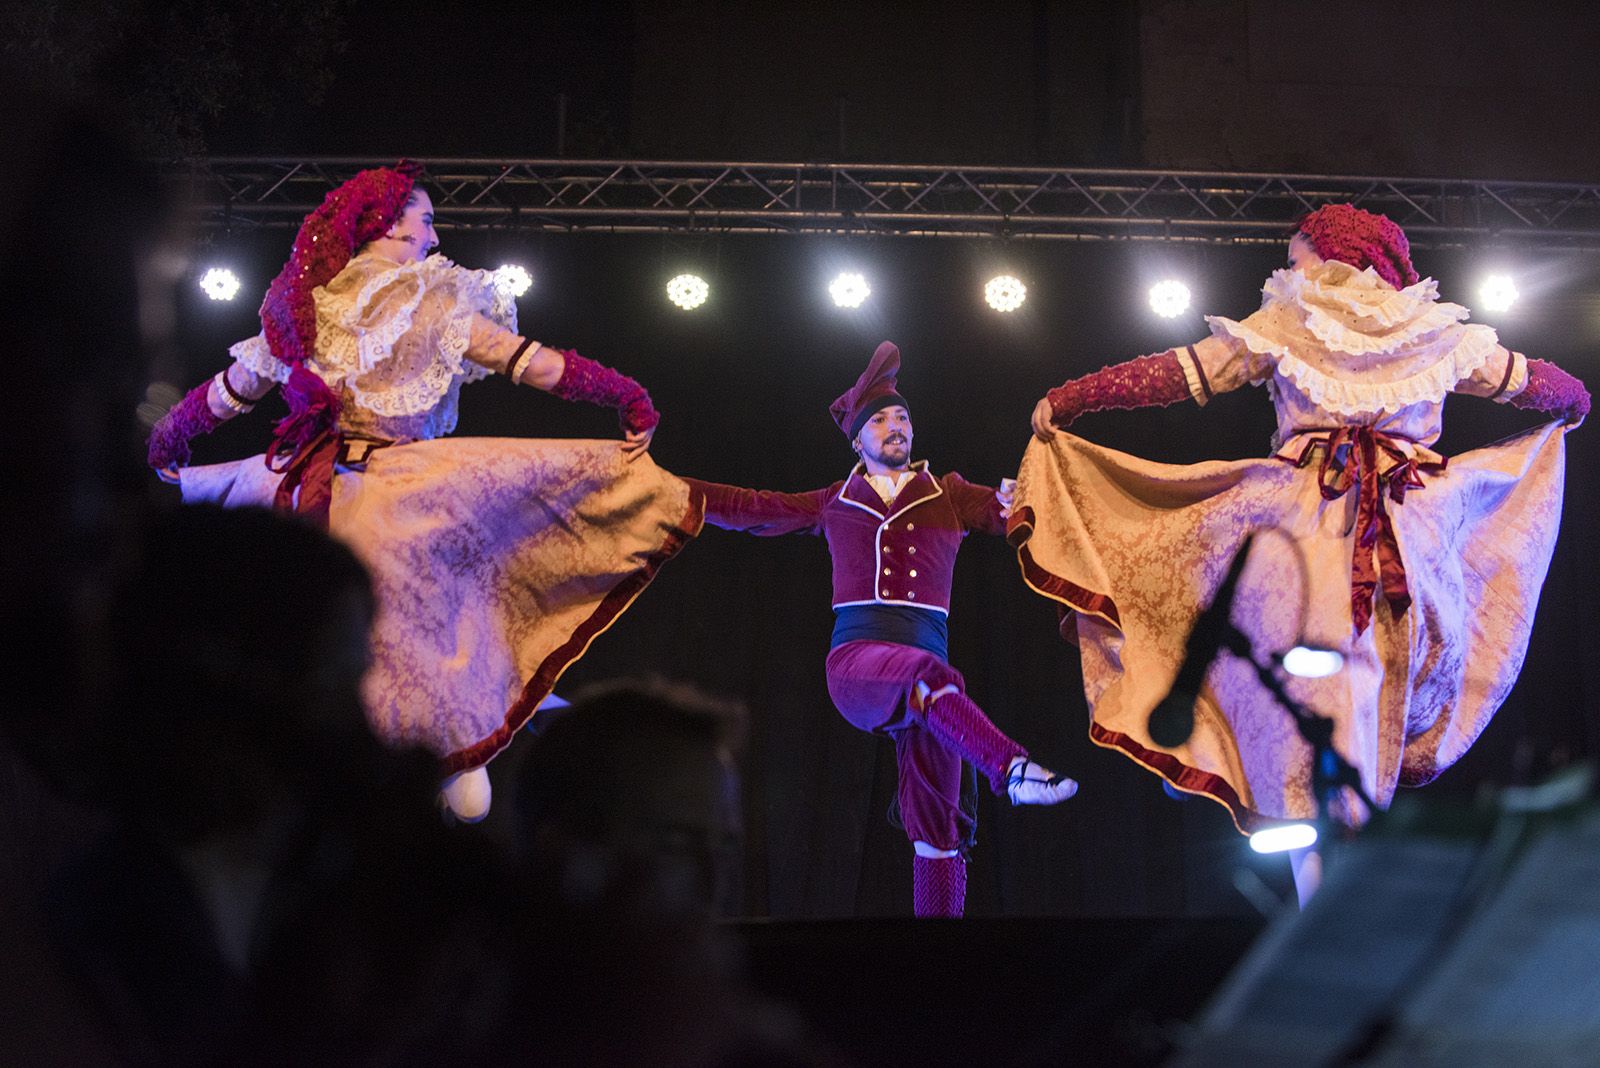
(1056,991)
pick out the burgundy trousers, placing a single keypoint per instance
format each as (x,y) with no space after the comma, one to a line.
(872,684)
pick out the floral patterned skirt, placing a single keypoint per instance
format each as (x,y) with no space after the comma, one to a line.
(1135,549)
(496,561)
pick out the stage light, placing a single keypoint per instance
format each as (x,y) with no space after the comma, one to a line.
(1169,299)
(1497,293)
(1308,662)
(1283,838)
(219,283)
(688,291)
(1005,293)
(512,279)
(849,290)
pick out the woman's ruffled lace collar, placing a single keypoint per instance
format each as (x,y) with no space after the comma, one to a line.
(352,339)
(1357,312)
(1355,345)
(356,342)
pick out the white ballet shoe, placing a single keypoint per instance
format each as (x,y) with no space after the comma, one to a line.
(467,794)
(1028,783)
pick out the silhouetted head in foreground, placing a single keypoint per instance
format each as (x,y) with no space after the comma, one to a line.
(630,796)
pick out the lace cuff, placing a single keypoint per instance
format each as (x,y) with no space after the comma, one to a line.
(1147,381)
(1551,390)
(255,356)
(1516,379)
(1194,374)
(456,338)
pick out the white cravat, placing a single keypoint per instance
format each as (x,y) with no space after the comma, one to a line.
(888,486)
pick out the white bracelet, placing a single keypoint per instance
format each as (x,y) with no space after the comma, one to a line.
(227,396)
(523,361)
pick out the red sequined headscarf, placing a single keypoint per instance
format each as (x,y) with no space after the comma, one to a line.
(1362,239)
(359,211)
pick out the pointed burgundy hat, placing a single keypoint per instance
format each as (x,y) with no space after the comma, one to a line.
(874,390)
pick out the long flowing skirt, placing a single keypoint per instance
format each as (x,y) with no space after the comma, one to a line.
(1136,549)
(496,561)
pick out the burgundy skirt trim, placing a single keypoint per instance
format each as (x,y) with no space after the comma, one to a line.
(1051,585)
(1183,777)
(571,651)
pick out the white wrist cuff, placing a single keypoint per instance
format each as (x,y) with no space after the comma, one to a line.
(523,361)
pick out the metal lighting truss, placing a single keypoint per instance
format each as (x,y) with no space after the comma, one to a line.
(638,196)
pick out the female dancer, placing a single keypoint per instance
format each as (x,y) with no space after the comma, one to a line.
(496,561)
(1424,576)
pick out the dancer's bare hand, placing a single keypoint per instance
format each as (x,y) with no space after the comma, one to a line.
(1007,496)
(169,474)
(1043,414)
(636,442)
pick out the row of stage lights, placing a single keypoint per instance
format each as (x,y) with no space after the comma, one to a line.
(1004,293)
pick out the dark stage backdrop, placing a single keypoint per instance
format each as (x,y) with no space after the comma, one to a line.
(744,385)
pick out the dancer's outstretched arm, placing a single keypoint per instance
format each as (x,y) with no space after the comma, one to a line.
(979,507)
(567,375)
(1537,385)
(763,512)
(232,391)
(1149,381)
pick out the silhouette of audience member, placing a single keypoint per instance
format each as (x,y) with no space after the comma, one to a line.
(81,316)
(277,883)
(75,196)
(626,817)
(633,791)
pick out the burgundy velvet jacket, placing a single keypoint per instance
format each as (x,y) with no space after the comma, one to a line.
(901,554)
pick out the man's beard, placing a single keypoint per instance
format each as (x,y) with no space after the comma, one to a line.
(897,455)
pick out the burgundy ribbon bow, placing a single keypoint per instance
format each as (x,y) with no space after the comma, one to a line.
(309,469)
(1374,529)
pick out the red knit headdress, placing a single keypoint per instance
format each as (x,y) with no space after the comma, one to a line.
(1362,239)
(359,211)
(875,389)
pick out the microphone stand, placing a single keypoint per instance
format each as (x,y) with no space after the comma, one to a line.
(1329,769)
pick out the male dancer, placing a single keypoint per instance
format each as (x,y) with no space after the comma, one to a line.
(893,530)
